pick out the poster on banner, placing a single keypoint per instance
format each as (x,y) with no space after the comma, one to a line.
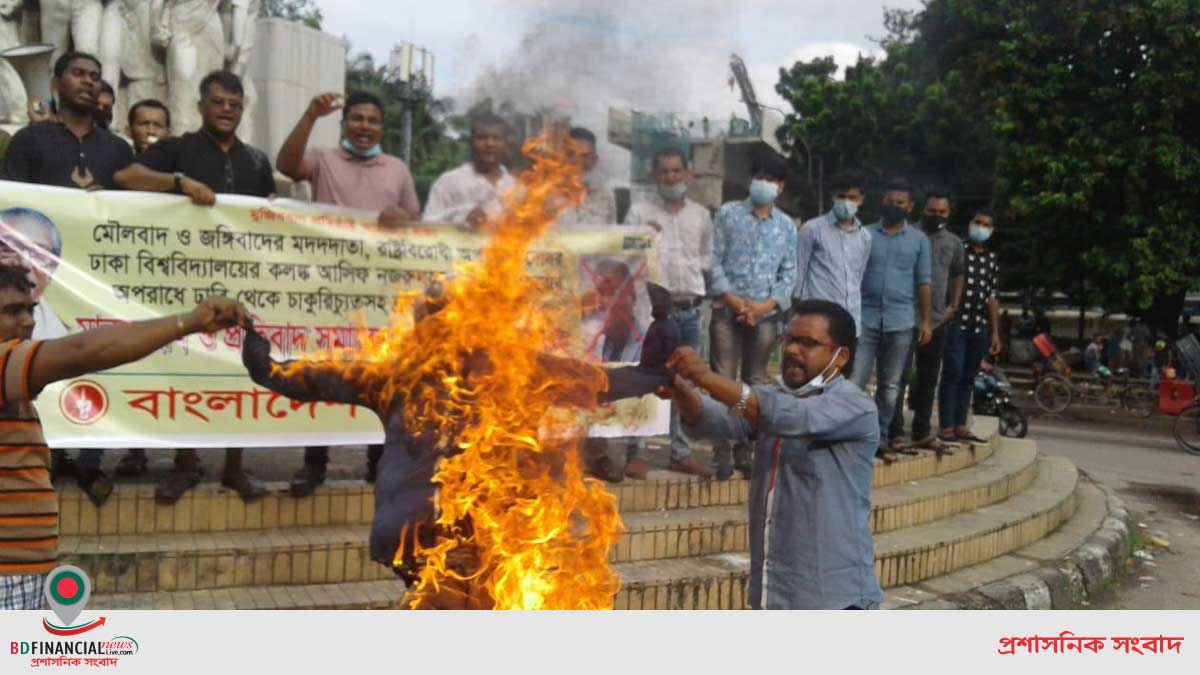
(312,276)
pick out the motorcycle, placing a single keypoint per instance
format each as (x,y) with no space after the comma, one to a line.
(993,397)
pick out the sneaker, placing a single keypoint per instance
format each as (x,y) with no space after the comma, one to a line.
(97,486)
(637,468)
(306,480)
(248,487)
(179,481)
(689,465)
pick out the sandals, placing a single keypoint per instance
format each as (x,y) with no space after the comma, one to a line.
(886,455)
(970,438)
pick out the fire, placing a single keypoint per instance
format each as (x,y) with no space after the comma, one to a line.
(511,493)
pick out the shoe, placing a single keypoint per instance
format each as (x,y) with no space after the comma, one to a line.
(97,486)
(637,468)
(306,480)
(742,455)
(179,481)
(689,465)
(63,465)
(724,460)
(132,465)
(247,487)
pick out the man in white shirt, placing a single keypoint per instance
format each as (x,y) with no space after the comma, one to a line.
(472,193)
(600,205)
(684,245)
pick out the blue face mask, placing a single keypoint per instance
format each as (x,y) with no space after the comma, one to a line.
(373,151)
(979,233)
(763,192)
(844,210)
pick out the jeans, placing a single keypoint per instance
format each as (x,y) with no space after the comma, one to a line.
(882,354)
(89,459)
(928,360)
(738,348)
(689,331)
(965,349)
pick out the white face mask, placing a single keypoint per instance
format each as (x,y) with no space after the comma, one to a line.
(814,385)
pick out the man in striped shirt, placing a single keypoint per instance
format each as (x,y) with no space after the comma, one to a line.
(28,504)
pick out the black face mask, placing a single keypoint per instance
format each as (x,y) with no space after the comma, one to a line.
(933,223)
(893,214)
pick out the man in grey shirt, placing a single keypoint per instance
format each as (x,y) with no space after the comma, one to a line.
(948,266)
(833,249)
(810,492)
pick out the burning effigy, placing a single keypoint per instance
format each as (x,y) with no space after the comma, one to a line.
(480,499)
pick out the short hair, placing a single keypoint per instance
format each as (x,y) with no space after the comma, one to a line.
(771,166)
(16,278)
(60,66)
(30,215)
(487,119)
(224,79)
(842,328)
(361,98)
(899,185)
(581,134)
(106,88)
(152,103)
(984,211)
(848,180)
(937,192)
(666,153)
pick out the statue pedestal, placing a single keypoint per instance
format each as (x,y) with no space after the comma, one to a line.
(290,65)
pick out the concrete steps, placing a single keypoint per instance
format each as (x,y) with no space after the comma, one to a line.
(360,595)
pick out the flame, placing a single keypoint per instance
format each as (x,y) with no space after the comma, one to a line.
(511,493)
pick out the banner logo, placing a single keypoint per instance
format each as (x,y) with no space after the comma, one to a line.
(83,402)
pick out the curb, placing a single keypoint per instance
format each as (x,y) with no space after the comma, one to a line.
(1067,584)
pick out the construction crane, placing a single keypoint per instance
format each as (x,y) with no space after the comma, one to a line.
(741,77)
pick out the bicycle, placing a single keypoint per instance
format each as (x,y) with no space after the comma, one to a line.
(1187,429)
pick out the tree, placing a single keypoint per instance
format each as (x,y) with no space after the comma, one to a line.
(302,11)
(1078,114)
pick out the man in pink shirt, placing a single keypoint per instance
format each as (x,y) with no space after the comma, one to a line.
(357,175)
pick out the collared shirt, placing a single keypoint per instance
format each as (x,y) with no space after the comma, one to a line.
(244,170)
(457,192)
(983,272)
(830,263)
(948,262)
(29,512)
(899,263)
(754,257)
(49,154)
(370,184)
(684,243)
(810,495)
(598,208)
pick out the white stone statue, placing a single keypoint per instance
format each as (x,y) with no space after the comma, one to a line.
(192,33)
(13,98)
(141,64)
(241,17)
(67,23)
(109,44)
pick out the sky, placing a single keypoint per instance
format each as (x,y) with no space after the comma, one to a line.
(582,56)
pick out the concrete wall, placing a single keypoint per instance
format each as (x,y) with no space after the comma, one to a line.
(291,64)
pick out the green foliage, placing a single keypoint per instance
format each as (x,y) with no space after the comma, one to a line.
(302,11)
(1079,115)
(436,147)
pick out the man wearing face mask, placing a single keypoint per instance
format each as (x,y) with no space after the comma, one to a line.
(684,245)
(832,250)
(753,277)
(357,174)
(948,265)
(897,278)
(810,492)
(971,334)
(600,205)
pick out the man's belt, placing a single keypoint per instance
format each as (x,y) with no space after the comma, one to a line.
(686,305)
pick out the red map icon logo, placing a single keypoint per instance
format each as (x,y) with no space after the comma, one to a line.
(83,402)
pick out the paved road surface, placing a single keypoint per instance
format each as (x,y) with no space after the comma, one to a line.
(1161,486)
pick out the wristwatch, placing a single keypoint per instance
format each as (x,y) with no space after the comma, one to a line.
(739,410)
(178,183)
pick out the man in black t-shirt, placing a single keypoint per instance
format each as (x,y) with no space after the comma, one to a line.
(72,150)
(201,164)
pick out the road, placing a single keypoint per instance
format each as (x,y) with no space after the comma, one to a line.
(1161,487)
